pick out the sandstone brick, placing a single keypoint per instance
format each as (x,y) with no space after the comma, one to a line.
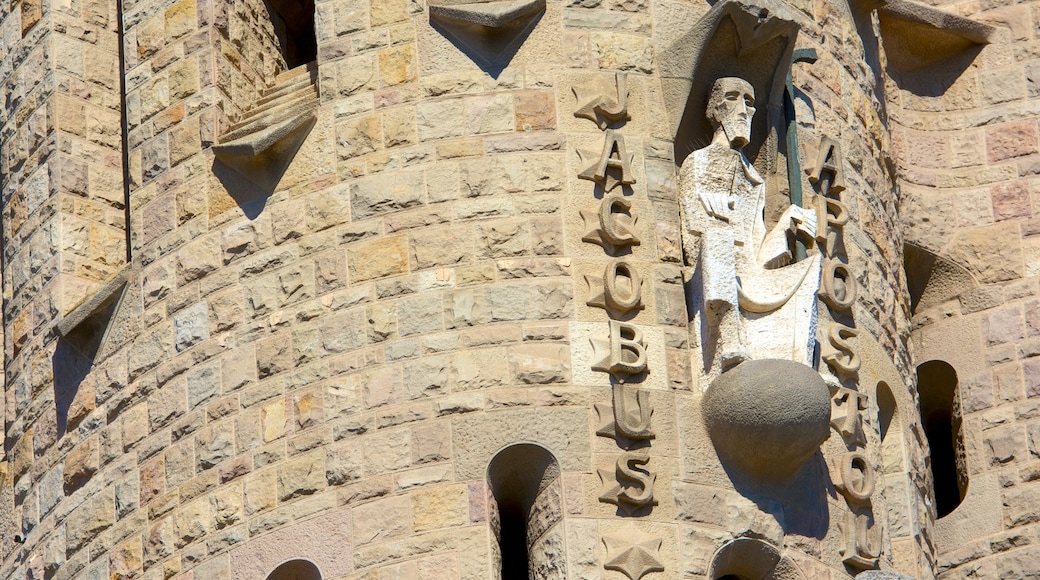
(389,192)
(1005,325)
(81,464)
(398,64)
(489,114)
(428,377)
(440,507)
(92,517)
(303,475)
(273,420)
(622,51)
(359,136)
(214,444)
(378,259)
(180,19)
(535,111)
(1011,201)
(388,12)
(1012,140)
(399,127)
(342,464)
(540,363)
(420,315)
(32,12)
(387,451)
(440,119)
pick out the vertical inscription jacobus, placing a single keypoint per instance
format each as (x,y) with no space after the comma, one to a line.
(853,473)
(621,354)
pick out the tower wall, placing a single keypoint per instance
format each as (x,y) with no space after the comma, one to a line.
(463,242)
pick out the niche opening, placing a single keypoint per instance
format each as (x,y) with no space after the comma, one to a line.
(294,26)
(525,507)
(295,570)
(941,419)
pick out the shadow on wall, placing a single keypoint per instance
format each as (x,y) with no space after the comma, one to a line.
(70,368)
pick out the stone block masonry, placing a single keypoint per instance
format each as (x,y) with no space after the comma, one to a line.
(477,250)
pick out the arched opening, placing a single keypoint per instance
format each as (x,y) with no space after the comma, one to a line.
(525,507)
(295,570)
(940,417)
(294,26)
(744,559)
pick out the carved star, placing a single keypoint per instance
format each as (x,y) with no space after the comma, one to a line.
(635,554)
(608,479)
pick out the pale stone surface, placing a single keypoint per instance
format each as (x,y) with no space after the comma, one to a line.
(318,360)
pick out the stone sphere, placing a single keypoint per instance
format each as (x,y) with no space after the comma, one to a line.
(767,417)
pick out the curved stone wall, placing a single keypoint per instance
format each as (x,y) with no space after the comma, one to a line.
(354,284)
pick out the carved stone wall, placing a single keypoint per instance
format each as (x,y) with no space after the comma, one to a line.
(966,138)
(476,242)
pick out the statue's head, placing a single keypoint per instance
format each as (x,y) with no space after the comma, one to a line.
(731,107)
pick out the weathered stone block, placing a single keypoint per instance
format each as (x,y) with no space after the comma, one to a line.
(85,523)
(303,475)
(378,259)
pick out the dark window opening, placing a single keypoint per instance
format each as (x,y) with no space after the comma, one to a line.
(518,476)
(294,24)
(295,570)
(937,388)
(886,409)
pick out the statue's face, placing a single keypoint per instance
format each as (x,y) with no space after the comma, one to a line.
(733,104)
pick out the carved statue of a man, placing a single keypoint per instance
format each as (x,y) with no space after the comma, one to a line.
(722,198)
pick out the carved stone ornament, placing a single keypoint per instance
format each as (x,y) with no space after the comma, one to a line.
(613,167)
(839,285)
(838,352)
(623,354)
(828,167)
(262,144)
(742,267)
(767,417)
(862,540)
(753,40)
(854,477)
(612,226)
(633,553)
(846,416)
(611,293)
(630,486)
(624,420)
(604,109)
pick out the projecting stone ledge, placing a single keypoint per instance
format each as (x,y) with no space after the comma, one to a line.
(489,31)
(88,325)
(921,14)
(490,14)
(256,143)
(262,144)
(917,36)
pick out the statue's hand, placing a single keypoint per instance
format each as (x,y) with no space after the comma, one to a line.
(803,220)
(719,205)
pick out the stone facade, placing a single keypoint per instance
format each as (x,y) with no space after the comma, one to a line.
(429,307)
